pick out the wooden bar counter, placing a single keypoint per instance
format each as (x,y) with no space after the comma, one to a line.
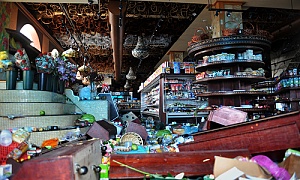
(193,163)
(274,133)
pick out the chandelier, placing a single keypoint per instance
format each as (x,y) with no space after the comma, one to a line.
(131,75)
(127,85)
(140,51)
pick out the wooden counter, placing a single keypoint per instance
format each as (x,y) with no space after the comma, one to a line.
(193,163)
(265,135)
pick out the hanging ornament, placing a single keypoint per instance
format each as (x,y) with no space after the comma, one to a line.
(127,85)
(130,75)
(140,51)
(79,76)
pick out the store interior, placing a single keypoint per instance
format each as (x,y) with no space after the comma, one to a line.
(115,89)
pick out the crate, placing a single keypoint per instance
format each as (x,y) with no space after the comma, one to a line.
(5,150)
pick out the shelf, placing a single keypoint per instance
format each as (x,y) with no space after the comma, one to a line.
(229,93)
(151,84)
(264,84)
(251,78)
(252,109)
(185,114)
(285,89)
(181,99)
(124,103)
(244,63)
(226,43)
(288,100)
(151,113)
(152,105)
(285,77)
(133,110)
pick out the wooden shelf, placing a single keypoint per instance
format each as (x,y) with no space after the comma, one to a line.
(151,113)
(218,64)
(230,93)
(285,89)
(197,50)
(251,78)
(229,81)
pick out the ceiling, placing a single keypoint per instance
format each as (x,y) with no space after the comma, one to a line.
(165,25)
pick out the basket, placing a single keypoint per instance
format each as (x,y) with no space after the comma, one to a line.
(199,36)
(230,31)
(133,137)
(5,150)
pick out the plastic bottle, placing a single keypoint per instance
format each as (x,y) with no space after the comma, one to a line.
(5,138)
(77,132)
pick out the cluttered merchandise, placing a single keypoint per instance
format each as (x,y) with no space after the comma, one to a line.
(130,147)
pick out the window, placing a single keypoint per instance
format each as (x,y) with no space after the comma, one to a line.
(30,32)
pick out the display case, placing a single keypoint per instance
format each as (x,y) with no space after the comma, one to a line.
(229,66)
(170,98)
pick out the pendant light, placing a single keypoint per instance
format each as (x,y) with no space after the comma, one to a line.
(140,51)
(131,75)
(127,85)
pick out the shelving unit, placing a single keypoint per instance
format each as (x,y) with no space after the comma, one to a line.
(288,91)
(150,101)
(170,97)
(126,103)
(229,66)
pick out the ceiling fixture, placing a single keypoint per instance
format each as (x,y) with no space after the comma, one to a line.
(140,51)
(127,85)
(131,75)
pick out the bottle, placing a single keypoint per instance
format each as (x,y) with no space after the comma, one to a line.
(78,132)
(5,138)
(202,119)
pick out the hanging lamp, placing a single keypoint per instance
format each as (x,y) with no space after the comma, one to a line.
(140,51)
(127,85)
(131,75)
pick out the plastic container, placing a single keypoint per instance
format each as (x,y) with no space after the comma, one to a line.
(5,138)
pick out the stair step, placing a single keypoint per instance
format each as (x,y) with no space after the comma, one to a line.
(31,96)
(25,109)
(38,121)
(38,137)
(19,85)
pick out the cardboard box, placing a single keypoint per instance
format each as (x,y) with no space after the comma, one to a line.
(292,165)
(250,169)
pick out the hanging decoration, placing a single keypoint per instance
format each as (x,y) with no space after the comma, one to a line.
(131,75)
(140,51)
(127,85)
